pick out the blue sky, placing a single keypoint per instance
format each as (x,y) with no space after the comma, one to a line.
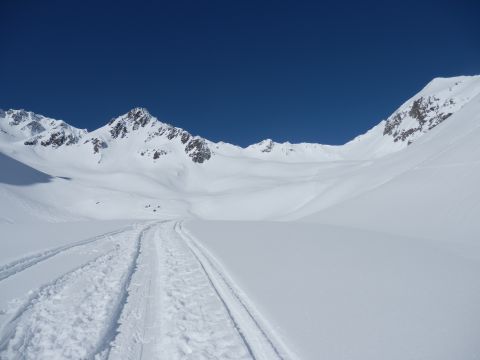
(238,71)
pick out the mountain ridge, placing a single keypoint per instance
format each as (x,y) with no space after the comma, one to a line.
(435,103)
(136,166)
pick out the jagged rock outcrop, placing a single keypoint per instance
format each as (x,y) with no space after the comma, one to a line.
(133,120)
(439,100)
(422,114)
(36,129)
(97,144)
(198,150)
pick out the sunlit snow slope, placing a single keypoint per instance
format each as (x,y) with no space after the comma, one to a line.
(138,167)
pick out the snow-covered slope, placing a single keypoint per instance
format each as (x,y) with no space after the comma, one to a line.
(434,194)
(138,166)
(376,257)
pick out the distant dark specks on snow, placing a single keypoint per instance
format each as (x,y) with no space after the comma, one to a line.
(159,153)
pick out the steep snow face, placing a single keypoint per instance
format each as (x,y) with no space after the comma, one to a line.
(434,104)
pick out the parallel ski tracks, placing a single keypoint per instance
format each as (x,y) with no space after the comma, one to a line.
(24,263)
(75,316)
(157,295)
(261,340)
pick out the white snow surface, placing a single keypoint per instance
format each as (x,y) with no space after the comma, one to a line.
(140,240)
(342,293)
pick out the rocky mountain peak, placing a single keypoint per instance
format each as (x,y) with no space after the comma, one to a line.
(133,120)
(154,136)
(139,116)
(20,116)
(439,100)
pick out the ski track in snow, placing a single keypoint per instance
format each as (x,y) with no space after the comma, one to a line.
(265,344)
(24,263)
(71,317)
(156,295)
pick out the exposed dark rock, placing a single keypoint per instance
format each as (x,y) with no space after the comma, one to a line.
(119,130)
(173,133)
(139,117)
(98,144)
(268,148)
(32,141)
(58,139)
(159,153)
(35,127)
(393,123)
(198,150)
(185,137)
(426,111)
(18,116)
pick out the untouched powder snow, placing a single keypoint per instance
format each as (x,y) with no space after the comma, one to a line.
(343,293)
(140,240)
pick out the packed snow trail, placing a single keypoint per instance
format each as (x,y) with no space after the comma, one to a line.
(177,308)
(156,295)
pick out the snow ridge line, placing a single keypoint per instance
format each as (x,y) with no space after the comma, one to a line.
(24,263)
(262,342)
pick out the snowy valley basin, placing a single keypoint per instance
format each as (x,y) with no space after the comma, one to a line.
(139,240)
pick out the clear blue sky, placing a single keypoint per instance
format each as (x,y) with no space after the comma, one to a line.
(238,71)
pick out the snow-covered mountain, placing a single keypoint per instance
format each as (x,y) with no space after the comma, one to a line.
(439,100)
(140,166)
(34,129)
(144,136)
